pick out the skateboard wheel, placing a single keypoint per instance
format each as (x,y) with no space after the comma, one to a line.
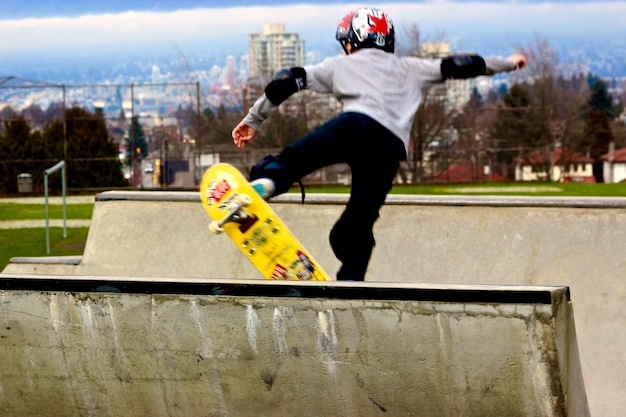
(215,228)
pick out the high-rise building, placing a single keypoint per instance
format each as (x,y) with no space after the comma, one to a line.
(457,92)
(274,49)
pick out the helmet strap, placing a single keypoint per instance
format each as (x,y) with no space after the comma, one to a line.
(344,45)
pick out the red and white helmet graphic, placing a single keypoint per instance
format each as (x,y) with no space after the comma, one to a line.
(367,28)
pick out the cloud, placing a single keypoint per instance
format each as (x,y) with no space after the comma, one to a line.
(311,21)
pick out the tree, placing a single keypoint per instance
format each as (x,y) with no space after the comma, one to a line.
(92,156)
(284,126)
(16,157)
(216,127)
(186,118)
(54,112)
(136,140)
(598,113)
(601,100)
(473,133)
(433,117)
(136,148)
(543,112)
(430,123)
(207,129)
(35,116)
(514,128)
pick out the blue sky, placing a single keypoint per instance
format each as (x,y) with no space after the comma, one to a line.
(48,24)
(12,9)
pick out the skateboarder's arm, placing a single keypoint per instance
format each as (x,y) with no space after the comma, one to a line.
(285,83)
(246,130)
(242,134)
(469,66)
(513,62)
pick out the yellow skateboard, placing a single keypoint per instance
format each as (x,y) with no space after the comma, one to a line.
(240,212)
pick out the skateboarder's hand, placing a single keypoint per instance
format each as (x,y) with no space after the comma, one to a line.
(242,134)
(518,60)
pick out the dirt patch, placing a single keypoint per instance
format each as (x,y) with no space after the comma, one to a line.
(73,246)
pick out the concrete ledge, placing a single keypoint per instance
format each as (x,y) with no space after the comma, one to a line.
(572,242)
(64,260)
(43,264)
(392,199)
(120,346)
(491,294)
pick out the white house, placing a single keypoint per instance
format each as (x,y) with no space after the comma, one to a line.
(614,165)
(563,165)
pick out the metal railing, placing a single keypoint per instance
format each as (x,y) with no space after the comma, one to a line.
(58,166)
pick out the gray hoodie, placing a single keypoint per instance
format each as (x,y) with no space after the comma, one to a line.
(379,84)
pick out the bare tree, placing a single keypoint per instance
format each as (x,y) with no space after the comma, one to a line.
(433,119)
(554,104)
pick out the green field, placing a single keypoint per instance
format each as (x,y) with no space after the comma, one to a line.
(526,189)
(32,241)
(12,211)
(502,189)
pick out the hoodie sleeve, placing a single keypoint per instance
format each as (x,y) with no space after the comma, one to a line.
(498,64)
(260,111)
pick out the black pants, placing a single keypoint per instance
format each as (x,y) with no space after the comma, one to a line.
(373,154)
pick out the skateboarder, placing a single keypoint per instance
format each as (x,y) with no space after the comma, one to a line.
(380,93)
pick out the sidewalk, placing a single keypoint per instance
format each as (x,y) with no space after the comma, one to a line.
(25,224)
(56,200)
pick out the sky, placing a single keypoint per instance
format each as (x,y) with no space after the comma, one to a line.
(36,25)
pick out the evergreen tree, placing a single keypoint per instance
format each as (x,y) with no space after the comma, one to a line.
(597,136)
(23,150)
(15,153)
(207,129)
(513,129)
(600,99)
(136,140)
(92,159)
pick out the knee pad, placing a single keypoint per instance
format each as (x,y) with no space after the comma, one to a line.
(265,167)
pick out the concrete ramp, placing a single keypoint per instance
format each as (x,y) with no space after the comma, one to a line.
(123,346)
(572,242)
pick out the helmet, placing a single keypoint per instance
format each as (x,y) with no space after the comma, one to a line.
(366,28)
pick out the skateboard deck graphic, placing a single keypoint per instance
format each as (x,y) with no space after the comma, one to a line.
(239,211)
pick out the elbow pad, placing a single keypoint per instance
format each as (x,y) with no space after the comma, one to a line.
(285,83)
(460,67)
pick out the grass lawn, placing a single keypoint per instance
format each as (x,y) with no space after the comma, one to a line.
(502,189)
(32,242)
(12,211)
(525,189)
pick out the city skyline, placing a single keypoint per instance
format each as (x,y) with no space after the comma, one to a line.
(75,59)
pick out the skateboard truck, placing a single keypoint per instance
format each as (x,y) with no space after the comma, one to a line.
(236,214)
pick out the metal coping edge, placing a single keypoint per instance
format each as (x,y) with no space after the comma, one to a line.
(482,294)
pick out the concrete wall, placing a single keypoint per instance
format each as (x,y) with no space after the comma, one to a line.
(257,348)
(576,243)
